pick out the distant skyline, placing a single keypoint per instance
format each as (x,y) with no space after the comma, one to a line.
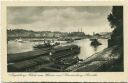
(59,18)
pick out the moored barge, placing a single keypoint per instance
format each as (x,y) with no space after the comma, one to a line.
(57,59)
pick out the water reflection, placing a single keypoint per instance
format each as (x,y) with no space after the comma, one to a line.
(86,49)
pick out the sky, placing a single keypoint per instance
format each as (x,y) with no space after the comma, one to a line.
(89,19)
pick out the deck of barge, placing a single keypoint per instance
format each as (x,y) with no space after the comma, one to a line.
(41,60)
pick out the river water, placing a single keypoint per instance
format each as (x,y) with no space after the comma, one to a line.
(86,49)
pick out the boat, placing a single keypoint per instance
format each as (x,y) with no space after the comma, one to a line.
(19,40)
(61,58)
(40,46)
(46,45)
(70,41)
(95,42)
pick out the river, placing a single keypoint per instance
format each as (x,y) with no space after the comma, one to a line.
(86,49)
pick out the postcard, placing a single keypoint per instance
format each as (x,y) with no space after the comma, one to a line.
(64,41)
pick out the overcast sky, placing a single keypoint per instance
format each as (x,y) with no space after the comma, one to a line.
(59,18)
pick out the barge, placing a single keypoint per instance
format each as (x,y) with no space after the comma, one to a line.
(56,59)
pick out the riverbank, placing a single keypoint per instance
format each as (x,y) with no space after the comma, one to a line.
(110,59)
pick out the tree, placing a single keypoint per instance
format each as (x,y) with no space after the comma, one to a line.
(116,22)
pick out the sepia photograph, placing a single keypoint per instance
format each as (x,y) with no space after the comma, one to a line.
(65,39)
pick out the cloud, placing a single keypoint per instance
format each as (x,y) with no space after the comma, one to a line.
(59,18)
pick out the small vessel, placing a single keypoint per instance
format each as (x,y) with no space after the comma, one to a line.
(70,41)
(95,42)
(19,40)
